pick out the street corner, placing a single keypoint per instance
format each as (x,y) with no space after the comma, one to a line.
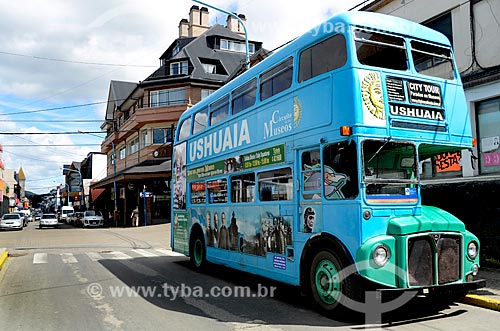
(3,257)
(482,301)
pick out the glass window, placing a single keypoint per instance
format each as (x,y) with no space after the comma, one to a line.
(162,135)
(488,118)
(380,50)
(198,194)
(276,79)
(340,171)
(432,60)
(144,138)
(219,110)
(311,174)
(122,153)
(235,46)
(244,96)
(134,145)
(179,68)
(170,97)
(243,188)
(217,191)
(200,120)
(442,24)
(276,185)
(185,129)
(205,93)
(323,57)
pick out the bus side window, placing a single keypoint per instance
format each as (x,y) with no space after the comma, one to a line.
(276,79)
(276,185)
(243,188)
(219,110)
(244,96)
(217,191)
(340,171)
(185,129)
(200,120)
(311,174)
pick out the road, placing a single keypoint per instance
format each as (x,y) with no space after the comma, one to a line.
(128,279)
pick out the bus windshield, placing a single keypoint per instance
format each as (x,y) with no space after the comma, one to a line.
(389,170)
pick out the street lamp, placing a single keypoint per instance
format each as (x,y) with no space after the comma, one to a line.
(80,184)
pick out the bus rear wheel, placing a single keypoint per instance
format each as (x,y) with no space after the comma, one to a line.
(328,285)
(197,251)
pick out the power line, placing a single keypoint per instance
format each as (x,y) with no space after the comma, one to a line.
(52,145)
(47,133)
(56,108)
(77,62)
(58,121)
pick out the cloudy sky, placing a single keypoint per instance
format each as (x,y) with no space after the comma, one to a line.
(57,58)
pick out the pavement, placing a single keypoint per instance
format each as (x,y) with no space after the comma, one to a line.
(159,236)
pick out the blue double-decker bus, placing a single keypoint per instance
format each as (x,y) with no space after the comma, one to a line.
(307,165)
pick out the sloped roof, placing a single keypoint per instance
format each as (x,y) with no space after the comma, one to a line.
(118,94)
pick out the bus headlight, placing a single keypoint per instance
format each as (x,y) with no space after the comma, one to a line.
(381,255)
(472,250)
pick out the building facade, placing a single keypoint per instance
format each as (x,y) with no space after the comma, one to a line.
(467,183)
(141,117)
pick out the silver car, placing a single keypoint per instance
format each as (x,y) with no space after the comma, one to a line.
(49,220)
(12,221)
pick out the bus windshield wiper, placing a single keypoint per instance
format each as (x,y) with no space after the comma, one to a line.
(381,147)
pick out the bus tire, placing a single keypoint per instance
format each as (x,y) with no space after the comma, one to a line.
(327,285)
(197,251)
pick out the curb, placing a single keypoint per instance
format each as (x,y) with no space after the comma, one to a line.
(3,258)
(481,301)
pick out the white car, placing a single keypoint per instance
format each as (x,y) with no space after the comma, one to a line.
(12,221)
(49,220)
(92,218)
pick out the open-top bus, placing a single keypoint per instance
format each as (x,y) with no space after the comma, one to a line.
(308,163)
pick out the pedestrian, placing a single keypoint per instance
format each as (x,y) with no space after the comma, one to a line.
(135,216)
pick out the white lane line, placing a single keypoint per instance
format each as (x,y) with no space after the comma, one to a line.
(144,253)
(94,256)
(116,255)
(68,258)
(39,258)
(168,252)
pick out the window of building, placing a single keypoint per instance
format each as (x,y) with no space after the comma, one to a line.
(205,93)
(442,24)
(213,66)
(276,79)
(276,185)
(236,46)
(219,110)
(161,98)
(244,96)
(380,50)
(488,122)
(162,135)
(179,68)
(144,138)
(185,129)
(122,153)
(243,188)
(134,145)
(200,120)
(323,57)
(217,191)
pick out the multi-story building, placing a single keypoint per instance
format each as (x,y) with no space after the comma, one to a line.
(467,183)
(141,117)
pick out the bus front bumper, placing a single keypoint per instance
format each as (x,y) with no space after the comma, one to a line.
(440,290)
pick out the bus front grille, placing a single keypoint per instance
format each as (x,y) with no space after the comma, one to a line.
(433,259)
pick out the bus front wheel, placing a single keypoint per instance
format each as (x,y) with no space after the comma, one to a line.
(197,251)
(327,283)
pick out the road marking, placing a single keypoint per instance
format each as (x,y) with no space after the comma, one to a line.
(68,258)
(94,256)
(39,258)
(168,252)
(116,255)
(144,253)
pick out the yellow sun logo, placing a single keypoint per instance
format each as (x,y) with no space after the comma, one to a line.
(371,91)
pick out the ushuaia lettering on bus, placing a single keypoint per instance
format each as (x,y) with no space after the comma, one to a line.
(278,124)
(220,141)
(417,112)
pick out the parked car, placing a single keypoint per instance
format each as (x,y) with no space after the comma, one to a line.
(23,217)
(49,220)
(12,221)
(65,211)
(92,218)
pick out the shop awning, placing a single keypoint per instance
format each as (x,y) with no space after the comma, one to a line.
(96,192)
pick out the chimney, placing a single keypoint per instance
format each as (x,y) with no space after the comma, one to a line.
(234,25)
(183,28)
(198,21)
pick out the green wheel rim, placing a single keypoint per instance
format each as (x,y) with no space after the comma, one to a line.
(328,282)
(198,252)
